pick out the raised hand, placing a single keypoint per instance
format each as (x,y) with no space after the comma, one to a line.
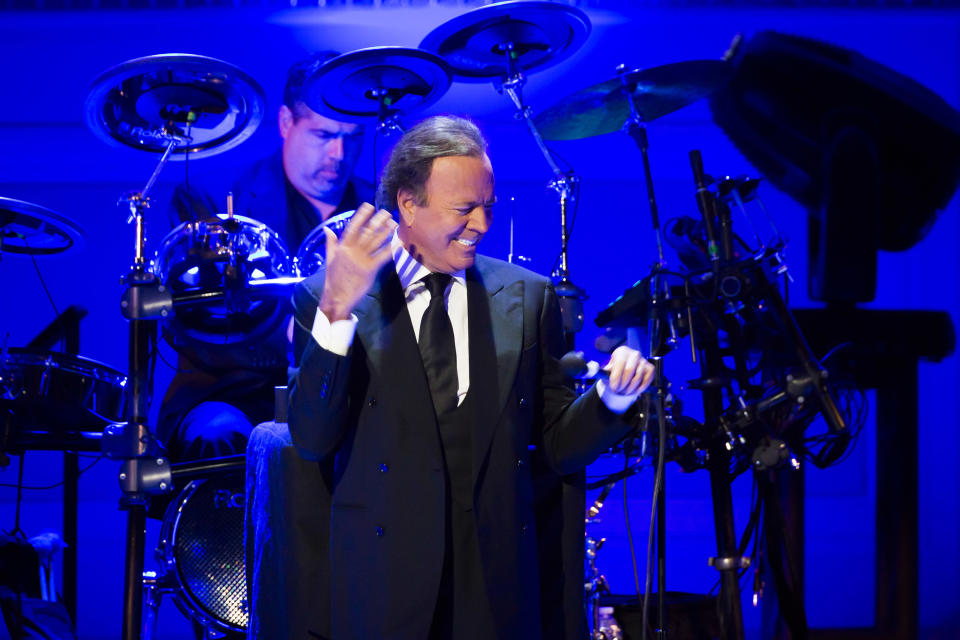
(354,260)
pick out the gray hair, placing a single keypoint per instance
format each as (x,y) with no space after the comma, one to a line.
(412,158)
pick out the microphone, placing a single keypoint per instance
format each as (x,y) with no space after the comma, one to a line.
(704,202)
(577,367)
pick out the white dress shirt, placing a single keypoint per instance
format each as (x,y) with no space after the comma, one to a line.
(337,337)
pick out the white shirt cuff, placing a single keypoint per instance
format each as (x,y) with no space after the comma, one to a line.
(335,337)
(616,402)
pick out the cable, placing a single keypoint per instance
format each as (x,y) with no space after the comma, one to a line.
(43,283)
(626,518)
(657,484)
(19,486)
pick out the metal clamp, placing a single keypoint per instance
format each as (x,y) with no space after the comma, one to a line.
(729,562)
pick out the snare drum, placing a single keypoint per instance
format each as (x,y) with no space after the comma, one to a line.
(312,254)
(59,392)
(222,255)
(201,549)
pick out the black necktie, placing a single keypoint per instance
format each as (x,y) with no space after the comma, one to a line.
(437,347)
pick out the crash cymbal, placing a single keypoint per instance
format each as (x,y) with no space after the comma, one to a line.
(657,91)
(536,33)
(208,105)
(31,229)
(353,84)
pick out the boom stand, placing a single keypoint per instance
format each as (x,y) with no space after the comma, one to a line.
(571,296)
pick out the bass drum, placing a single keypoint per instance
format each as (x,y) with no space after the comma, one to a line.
(312,254)
(201,548)
(218,261)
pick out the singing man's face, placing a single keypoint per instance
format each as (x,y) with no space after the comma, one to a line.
(318,153)
(443,233)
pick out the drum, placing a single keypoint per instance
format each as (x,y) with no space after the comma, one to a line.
(312,254)
(216,260)
(59,392)
(201,549)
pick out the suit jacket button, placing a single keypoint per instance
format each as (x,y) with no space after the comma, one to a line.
(382,467)
(523,401)
(523,528)
(379,532)
(519,462)
(372,402)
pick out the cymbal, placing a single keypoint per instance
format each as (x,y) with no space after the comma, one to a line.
(537,33)
(352,84)
(208,105)
(657,91)
(31,229)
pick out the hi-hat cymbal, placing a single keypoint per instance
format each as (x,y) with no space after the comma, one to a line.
(535,33)
(31,229)
(353,84)
(657,91)
(209,105)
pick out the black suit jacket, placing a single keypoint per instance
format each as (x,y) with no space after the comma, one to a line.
(368,415)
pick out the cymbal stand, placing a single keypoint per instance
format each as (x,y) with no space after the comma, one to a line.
(563,183)
(143,471)
(388,119)
(636,128)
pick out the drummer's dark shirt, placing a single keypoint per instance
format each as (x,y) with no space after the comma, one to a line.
(243,374)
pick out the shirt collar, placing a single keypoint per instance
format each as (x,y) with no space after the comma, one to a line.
(409,270)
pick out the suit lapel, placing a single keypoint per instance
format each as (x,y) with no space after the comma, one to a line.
(386,332)
(495,313)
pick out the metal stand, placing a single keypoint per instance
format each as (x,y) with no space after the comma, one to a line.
(571,296)
(142,471)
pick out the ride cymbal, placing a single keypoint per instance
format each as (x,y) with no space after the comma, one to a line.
(605,107)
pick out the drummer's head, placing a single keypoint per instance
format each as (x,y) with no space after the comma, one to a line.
(318,152)
(440,180)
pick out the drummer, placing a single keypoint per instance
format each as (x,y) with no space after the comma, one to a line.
(218,394)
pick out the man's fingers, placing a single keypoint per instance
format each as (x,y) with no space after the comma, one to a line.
(357,223)
(331,242)
(614,370)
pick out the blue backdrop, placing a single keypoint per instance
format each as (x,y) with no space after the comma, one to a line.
(48,157)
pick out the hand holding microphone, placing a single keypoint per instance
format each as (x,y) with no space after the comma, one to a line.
(626,373)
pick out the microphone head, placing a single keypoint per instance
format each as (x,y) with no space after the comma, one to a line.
(573,363)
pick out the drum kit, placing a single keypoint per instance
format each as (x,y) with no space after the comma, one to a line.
(221,280)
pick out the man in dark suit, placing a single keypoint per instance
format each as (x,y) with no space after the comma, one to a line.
(429,378)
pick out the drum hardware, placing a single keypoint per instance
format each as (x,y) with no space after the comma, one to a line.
(177,105)
(209,268)
(378,82)
(729,298)
(312,254)
(498,43)
(30,229)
